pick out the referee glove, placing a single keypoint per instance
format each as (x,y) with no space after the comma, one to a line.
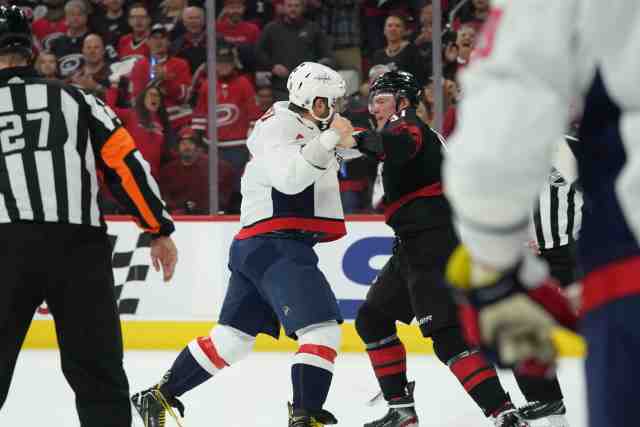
(510,314)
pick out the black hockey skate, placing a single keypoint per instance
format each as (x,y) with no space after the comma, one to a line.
(402,412)
(508,416)
(547,414)
(153,406)
(303,418)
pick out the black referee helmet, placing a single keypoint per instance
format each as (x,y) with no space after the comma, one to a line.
(15,31)
(399,83)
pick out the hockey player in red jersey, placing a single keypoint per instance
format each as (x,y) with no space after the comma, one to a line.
(172,74)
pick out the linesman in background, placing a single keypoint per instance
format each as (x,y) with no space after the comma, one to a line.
(557,216)
(54,245)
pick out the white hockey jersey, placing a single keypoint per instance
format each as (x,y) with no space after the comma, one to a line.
(533,59)
(291,181)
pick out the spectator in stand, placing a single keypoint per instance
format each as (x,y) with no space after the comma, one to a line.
(286,43)
(232,26)
(192,45)
(52,25)
(239,32)
(135,44)
(68,47)
(375,13)
(475,17)
(424,38)
(111,23)
(172,76)
(400,54)
(264,98)
(466,41)
(184,182)
(426,109)
(147,123)
(47,65)
(236,105)
(340,19)
(93,76)
(170,14)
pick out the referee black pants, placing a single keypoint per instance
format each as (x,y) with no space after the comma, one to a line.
(69,267)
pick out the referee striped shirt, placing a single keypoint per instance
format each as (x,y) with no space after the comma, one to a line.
(52,139)
(557,214)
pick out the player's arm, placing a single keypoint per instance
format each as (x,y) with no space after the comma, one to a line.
(291,168)
(517,91)
(128,173)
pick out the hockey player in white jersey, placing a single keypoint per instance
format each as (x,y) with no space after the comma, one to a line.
(291,201)
(534,57)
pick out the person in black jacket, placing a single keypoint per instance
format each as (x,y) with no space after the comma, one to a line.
(410,284)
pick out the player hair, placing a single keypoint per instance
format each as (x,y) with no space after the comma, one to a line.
(80,4)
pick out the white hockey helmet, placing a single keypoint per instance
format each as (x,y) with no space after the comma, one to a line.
(311,80)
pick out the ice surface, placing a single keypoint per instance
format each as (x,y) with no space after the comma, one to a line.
(255,392)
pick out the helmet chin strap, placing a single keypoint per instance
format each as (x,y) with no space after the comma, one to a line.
(324,122)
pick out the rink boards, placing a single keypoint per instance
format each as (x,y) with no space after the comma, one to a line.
(157,315)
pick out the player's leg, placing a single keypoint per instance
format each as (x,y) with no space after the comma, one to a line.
(83,304)
(243,315)
(386,302)
(19,298)
(241,319)
(613,337)
(437,317)
(306,306)
(544,396)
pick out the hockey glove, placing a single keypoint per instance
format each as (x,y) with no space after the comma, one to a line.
(369,143)
(510,314)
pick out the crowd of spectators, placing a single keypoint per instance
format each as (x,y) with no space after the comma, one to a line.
(148,60)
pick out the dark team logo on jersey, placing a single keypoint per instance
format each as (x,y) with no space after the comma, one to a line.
(69,64)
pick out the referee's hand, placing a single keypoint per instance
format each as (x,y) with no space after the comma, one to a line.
(165,253)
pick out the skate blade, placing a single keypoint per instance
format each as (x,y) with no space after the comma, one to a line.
(170,410)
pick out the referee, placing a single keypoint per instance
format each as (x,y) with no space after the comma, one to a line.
(557,215)
(54,245)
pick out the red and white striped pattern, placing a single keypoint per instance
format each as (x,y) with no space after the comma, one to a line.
(320,356)
(204,351)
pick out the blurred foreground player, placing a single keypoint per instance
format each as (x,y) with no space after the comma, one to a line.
(410,284)
(54,244)
(290,202)
(511,304)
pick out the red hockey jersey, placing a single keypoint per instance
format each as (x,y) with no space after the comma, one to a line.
(175,87)
(45,30)
(127,47)
(244,32)
(236,103)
